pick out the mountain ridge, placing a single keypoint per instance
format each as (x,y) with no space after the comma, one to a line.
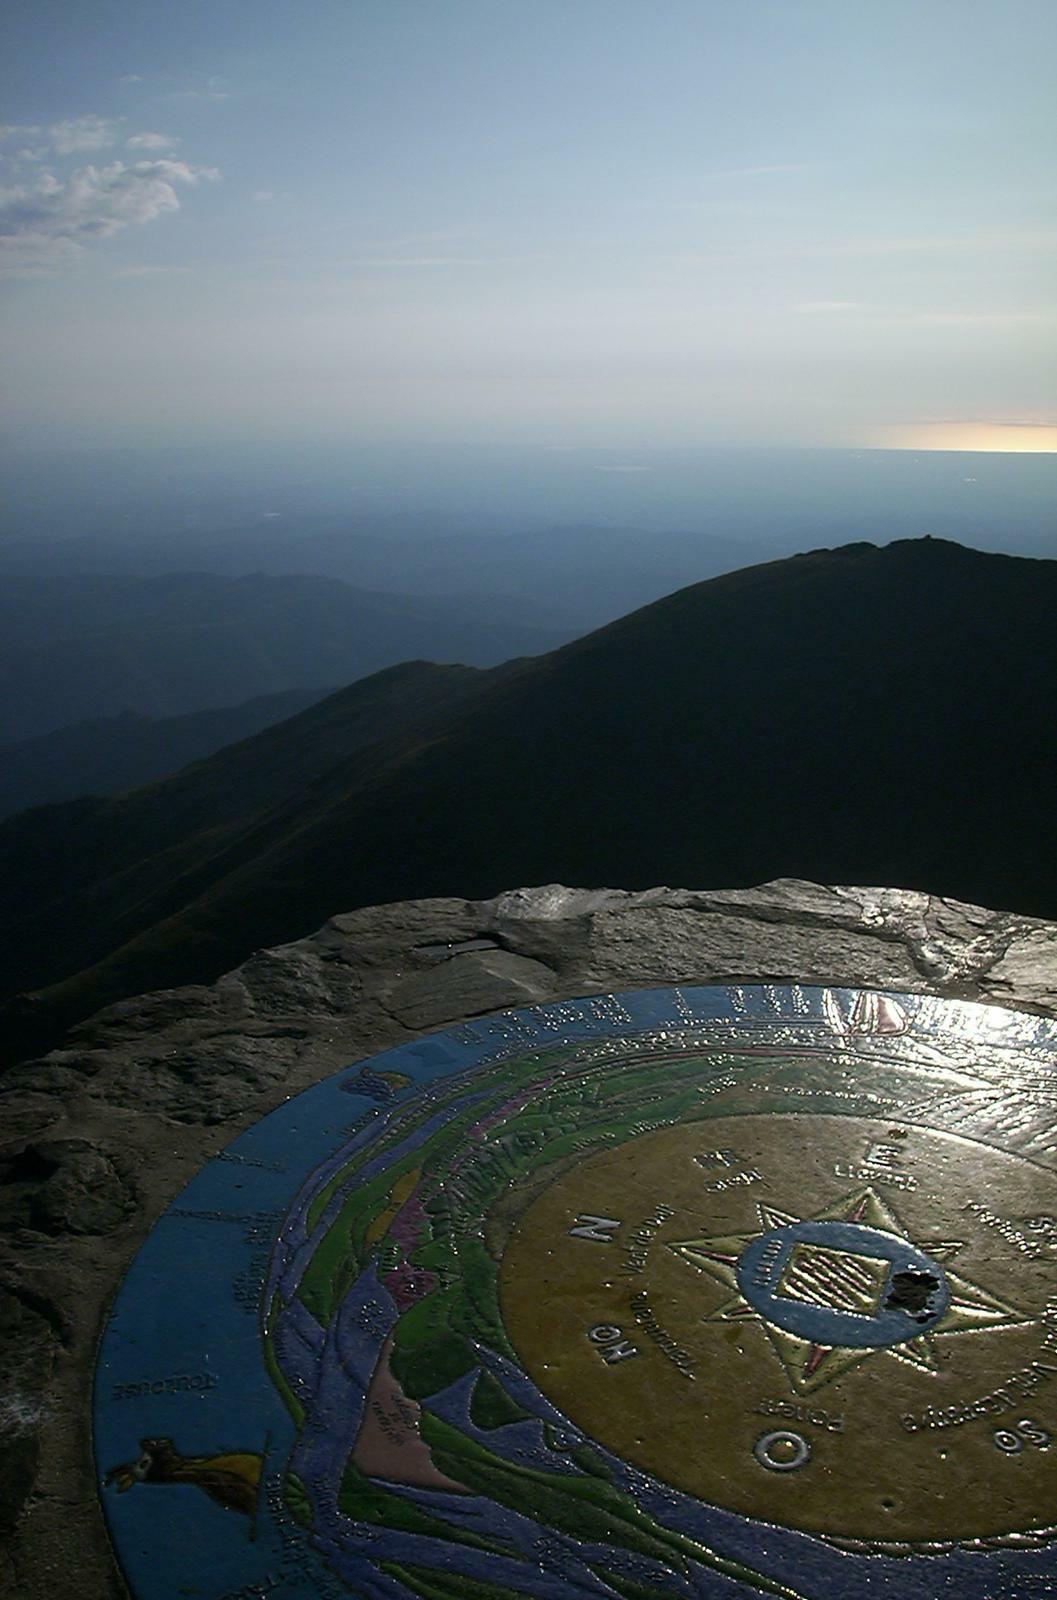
(806,714)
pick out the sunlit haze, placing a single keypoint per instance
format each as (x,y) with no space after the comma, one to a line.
(606,225)
(987,437)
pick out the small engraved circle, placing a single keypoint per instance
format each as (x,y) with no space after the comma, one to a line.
(782,1451)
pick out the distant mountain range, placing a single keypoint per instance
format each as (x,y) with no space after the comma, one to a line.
(90,645)
(858,715)
(569,577)
(107,755)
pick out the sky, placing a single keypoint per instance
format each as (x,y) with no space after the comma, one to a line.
(567,224)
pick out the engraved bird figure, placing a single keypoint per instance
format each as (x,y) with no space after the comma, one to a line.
(231,1479)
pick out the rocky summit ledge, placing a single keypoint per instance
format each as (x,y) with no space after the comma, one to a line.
(101,1134)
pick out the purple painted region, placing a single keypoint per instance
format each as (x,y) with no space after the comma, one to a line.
(350,1546)
(318,1179)
(343,1371)
(298,1341)
(515,1441)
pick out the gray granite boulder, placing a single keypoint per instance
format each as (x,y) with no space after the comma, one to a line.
(100,1135)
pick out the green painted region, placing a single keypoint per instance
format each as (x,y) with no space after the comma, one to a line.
(491,1406)
(343,1251)
(587,1508)
(584,1455)
(584,1507)
(631,1588)
(296,1498)
(429,1350)
(361,1497)
(435,1586)
(275,1372)
(480,1286)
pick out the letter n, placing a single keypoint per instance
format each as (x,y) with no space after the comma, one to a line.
(600,1229)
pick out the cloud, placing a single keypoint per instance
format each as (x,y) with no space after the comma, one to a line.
(130,77)
(924,319)
(816,308)
(148,271)
(73,136)
(1022,239)
(972,319)
(53,219)
(78,134)
(437,261)
(151,141)
(214,90)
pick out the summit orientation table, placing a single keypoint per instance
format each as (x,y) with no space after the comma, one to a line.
(674,1293)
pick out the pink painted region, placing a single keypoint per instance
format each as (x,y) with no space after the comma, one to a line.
(480,1129)
(409,1228)
(411,1223)
(389,1443)
(515,1103)
(408,1284)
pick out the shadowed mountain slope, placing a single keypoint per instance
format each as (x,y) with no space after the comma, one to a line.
(857,715)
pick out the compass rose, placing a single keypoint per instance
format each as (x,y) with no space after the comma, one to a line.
(844,1286)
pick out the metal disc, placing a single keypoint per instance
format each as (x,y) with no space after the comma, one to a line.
(673,1293)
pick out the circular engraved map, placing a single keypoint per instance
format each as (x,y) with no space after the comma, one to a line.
(672,1293)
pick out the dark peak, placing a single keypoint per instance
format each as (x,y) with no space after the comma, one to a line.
(925,544)
(857,549)
(930,546)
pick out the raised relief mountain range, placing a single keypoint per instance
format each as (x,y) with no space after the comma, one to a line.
(861,714)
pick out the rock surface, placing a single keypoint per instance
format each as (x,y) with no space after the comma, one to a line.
(101,1134)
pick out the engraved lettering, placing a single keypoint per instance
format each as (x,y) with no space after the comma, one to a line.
(598,1229)
(768,1262)
(816,1415)
(716,1158)
(641,1238)
(179,1383)
(735,1180)
(872,1174)
(884,1155)
(643,1314)
(1007,1230)
(611,1343)
(1009,1395)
